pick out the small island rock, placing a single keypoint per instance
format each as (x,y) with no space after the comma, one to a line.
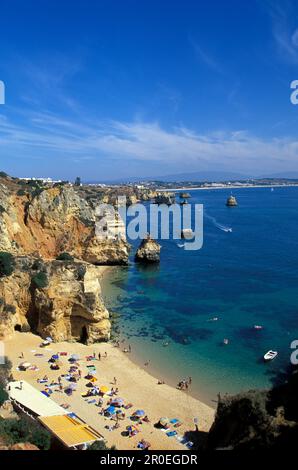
(148,251)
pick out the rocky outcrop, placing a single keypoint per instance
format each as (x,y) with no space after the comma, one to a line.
(18,446)
(167,198)
(52,221)
(54,298)
(7,411)
(231,201)
(257,420)
(148,251)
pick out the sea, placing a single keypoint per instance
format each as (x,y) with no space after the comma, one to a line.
(244,277)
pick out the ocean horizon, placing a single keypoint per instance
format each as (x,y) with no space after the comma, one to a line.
(244,278)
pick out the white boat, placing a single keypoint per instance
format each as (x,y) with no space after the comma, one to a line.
(270,355)
(187,233)
(258,327)
(225,341)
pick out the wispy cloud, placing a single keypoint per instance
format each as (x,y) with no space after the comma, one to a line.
(284,29)
(205,57)
(49,136)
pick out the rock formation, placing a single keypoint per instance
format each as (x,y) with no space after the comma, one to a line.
(231,201)
(257,420)
(54,298)
(148,251)
(53,221)
(167,198)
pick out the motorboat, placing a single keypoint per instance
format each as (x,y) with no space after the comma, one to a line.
(225,341)
(270,355)
(258,327)
(187,233)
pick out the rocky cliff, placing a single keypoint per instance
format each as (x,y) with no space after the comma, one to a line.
(60,299)
(148,251)
(52,221)
(258,420)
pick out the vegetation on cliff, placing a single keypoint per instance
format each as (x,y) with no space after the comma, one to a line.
(64,257)
(6,264)
(258,420)
(13,431)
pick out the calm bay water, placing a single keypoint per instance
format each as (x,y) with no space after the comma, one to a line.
(245,277)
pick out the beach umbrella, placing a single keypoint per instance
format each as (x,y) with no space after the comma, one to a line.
(164,422)
(75,357)
(72,386)
(139,413)
(25,365)
(104,389)
(117,402)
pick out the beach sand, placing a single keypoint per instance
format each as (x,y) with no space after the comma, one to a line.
(135,385)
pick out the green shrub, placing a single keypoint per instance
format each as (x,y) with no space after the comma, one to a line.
(3,395)
(10,309)
(21,192)
(100,445)
(3,174)
(6,264)
(40,280)
(65,257)
(13,431)
(2,210)
(37,192)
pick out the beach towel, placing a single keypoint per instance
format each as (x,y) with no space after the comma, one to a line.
(63,354)
(45,393)
(91,402)
(171,433)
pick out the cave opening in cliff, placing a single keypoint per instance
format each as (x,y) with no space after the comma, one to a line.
(84,335)
(18,328)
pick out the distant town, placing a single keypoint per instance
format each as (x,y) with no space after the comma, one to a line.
(173,185)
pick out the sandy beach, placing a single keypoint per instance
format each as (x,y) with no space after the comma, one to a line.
(135,385)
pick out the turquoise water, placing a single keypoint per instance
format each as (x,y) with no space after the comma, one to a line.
(245,277)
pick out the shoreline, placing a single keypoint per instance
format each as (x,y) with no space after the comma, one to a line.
(135,384)
(246,186)
(154,372)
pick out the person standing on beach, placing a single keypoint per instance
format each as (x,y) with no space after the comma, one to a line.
(129,348)
(99,356)
(115,381)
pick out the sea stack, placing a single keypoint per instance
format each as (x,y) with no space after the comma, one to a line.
(148,251)
(231,201)
(184,195)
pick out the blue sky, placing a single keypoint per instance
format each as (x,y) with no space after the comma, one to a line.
(111,88)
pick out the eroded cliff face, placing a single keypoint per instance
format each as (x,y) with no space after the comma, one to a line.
(66,305)
(54,221)
(258,420)
(148,251)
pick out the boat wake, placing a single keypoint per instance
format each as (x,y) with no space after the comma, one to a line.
(222,227)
